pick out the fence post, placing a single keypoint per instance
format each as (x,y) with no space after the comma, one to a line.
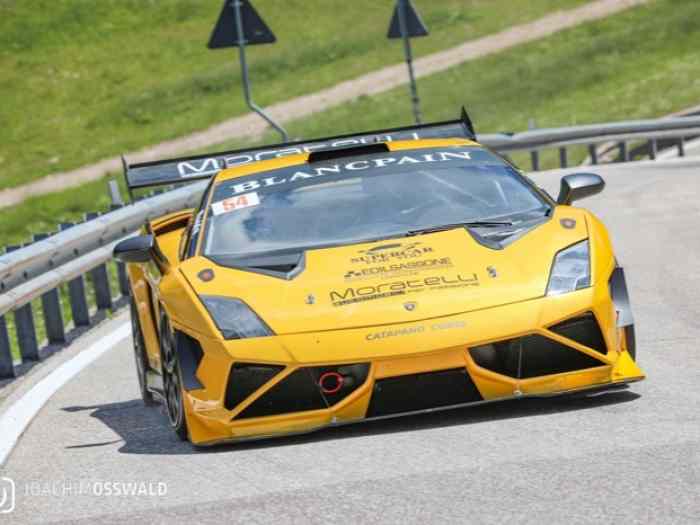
(681,147)
(7,367)
(563,160)
(593,153)
(76,291)
(24,324)
(534,154)
(51,307)
(100,279)
(624,154)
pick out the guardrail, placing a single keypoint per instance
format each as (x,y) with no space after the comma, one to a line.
(54,267)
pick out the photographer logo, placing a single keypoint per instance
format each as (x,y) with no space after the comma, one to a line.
(7,495)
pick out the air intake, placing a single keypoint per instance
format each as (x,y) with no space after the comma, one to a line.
(584,330)
(246,378)
(309,388)
(339,153)
(531,356)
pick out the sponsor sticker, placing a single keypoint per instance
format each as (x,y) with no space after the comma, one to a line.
(415,330)
(397,269)
(247,200)
(391,253)
(352,294)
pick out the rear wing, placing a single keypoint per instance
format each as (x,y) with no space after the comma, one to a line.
(188,169)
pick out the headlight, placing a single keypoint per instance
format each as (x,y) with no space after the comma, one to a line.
(234,318)
(571,270)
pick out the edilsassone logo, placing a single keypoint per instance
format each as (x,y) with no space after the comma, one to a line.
(7,495)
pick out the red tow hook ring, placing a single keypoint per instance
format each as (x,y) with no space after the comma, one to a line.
(334,378)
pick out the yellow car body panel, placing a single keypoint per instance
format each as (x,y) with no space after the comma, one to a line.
(463,294)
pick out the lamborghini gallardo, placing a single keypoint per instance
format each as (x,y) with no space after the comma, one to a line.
(369,276)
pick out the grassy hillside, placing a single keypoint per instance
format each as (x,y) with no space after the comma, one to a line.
(83,80)
(641,63)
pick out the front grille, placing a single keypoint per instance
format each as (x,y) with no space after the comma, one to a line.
(394,395)
(531,356)
(584,330)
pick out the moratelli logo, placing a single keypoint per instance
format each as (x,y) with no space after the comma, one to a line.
(360,294)
(212,165)
(198,168)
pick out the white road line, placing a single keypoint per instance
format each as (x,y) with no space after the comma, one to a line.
(17,418)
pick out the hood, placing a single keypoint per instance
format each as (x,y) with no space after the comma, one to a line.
(395,281)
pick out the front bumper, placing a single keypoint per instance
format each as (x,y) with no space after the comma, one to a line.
(407,368)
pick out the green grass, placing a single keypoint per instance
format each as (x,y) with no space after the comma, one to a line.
(642,63)
(83,80)
(42,214)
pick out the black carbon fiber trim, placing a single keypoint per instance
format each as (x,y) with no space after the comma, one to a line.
(190,355)
(584,330)
(394,395)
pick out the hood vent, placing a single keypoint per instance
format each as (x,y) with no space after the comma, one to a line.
(286,266)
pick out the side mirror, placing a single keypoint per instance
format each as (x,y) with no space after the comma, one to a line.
(135,249)
(579,186)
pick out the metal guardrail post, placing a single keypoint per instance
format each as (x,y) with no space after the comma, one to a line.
(7,367)
(100,279)
(563,159)
(26,333)
(24,326)
(76,291)
(653,149)
(51,308)
(534,154)
(593,153)
(681,147)
(624,154)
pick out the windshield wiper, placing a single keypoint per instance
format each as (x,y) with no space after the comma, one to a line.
(470,224)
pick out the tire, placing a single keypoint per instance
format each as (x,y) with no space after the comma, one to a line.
(140,356)
(172,381)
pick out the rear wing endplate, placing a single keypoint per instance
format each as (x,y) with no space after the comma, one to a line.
(189,169)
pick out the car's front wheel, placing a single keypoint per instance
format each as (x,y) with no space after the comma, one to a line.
(172,381)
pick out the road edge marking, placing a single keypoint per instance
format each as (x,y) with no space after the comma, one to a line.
(15,420)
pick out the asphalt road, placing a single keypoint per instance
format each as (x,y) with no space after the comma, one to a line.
(630,457)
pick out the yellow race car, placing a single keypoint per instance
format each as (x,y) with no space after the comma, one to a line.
(369,276)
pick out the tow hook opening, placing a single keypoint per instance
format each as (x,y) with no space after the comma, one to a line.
(330,382)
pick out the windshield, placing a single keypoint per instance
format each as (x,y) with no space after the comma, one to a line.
(353,199)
